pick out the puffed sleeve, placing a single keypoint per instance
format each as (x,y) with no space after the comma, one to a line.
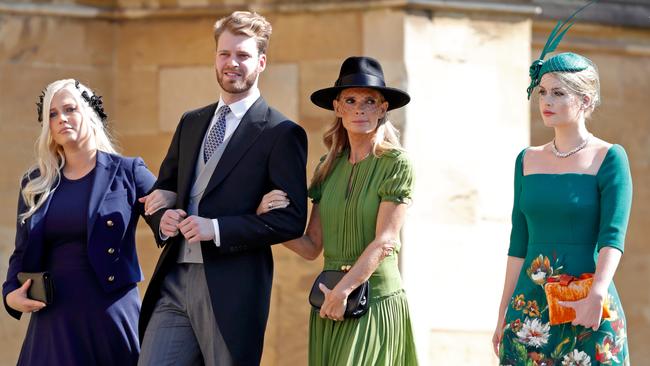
(615,188)
(315,190)
(519,233)
(398,183)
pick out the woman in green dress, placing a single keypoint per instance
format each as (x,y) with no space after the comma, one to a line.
(571,209)
(360,193)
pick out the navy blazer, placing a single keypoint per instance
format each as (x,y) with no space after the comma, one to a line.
(112,218)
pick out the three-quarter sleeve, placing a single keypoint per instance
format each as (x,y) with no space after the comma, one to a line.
(397,185)
(615,188)
(519,233)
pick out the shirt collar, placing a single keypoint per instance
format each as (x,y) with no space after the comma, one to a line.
(240,108)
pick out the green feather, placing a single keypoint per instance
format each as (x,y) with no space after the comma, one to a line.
(551,44)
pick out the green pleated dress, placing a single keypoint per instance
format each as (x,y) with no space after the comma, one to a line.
(559,224)
(348,202)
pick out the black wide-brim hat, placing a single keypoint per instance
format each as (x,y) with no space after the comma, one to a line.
(360,72)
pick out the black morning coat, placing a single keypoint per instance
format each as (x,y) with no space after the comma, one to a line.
(267,151)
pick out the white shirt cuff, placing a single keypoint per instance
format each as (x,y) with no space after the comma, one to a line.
(163,237)
(217,237)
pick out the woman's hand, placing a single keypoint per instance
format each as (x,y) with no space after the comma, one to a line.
(272,200)
(589,310)
(334,304)
(497,336)
(158,199)
(18,300)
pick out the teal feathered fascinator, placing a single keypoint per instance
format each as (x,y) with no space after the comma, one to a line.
(563,62)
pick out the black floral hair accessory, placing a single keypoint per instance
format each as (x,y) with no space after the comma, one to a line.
(39,106)
(95,102)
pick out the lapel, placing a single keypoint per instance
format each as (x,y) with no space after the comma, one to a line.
(104,173)
(196,128)
(249,129)
(36,220)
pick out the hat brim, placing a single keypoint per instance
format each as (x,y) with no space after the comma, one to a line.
(396,98)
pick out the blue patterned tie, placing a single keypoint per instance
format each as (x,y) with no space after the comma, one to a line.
(216,134)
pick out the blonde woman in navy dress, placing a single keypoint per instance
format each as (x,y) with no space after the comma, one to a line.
(77,213)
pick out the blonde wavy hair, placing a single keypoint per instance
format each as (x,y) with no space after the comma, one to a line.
(50,157)
(583,83)
(386,138)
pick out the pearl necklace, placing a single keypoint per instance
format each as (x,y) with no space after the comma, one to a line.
(569,153)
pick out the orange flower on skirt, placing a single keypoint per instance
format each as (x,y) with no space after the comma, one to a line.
(532,309)
(519,302)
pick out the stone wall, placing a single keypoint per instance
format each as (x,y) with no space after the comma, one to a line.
(466,124)
(466,71)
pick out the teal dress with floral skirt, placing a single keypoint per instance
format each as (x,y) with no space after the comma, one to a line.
(348,203)
(559,224)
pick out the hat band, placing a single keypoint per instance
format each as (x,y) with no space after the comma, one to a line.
(360,79)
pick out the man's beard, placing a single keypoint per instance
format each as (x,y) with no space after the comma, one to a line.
(238,86)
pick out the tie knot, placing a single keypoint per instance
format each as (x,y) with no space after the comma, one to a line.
(223,111)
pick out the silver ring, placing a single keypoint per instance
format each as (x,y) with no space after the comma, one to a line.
(270,205)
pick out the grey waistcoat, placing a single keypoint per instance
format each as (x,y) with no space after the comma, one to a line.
(191,253)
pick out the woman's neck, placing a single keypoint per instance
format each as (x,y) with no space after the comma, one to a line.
(568,137)
(360,147)
(79,162)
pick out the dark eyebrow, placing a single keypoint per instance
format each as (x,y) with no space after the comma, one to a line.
(64,106)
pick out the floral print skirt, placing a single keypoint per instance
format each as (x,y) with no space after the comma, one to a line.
(529,339)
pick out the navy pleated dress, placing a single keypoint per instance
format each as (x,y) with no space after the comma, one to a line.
(85,325)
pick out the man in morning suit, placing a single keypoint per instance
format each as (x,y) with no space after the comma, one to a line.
(208,300)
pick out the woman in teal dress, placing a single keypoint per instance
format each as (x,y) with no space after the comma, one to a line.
(360,192)
(572,199)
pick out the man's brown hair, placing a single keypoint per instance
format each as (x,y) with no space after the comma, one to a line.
(248,24)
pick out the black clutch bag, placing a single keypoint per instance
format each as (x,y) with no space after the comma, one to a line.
(42,287)
(358,301)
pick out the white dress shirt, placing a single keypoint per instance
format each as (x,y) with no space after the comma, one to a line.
(237,112)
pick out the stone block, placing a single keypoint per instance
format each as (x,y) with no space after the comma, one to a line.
(182,89)
(97,3)
(191,3)
(288,327)
(137,95)
(148,253)
(449,348)
(56,41)
(315,36)
(279,86)
(383,34)
(166,43)
(151,147)
(315,75)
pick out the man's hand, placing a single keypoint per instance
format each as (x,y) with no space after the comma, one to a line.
(197,229)
(170,221)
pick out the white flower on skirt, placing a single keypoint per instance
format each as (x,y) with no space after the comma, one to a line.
(576,358)
(538,277)
(534,333)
